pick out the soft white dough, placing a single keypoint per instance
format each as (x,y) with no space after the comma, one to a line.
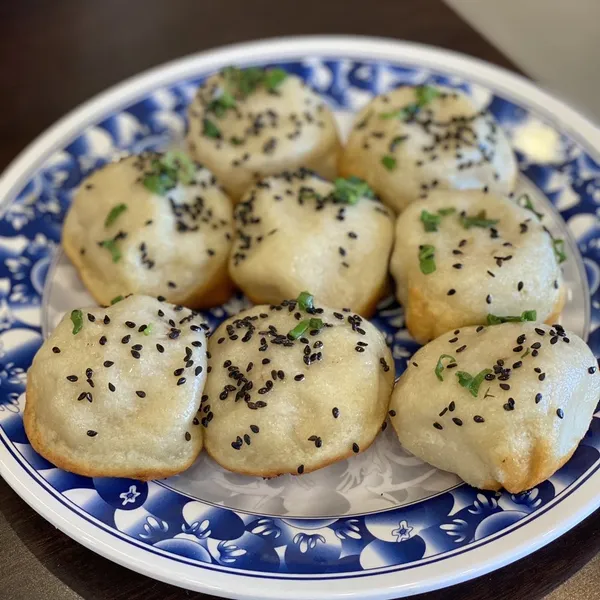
(280,406)
(132,410)
(522,426)
(504,269)
(176,245)
(449,143)
(289,240)
(275,131)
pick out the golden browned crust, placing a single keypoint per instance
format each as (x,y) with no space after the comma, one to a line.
(270,474)
(39,445)
(425,324)
(211,293)
(525,472)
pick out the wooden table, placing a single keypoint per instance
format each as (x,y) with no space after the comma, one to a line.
(54,55)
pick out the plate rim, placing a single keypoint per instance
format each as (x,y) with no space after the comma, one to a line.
(579,503)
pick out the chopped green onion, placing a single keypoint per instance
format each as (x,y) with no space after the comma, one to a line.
(479,220)
(148,329)
(209,129)
(526,353)
(425,94)
(274,78)
(236,141)
(111,246)
(430,221)
(527,315)
(222,103)
(389,162)
(175,166)
(525,202)
(446,211)
(351,190)
(305,301)
(427,259)
(440,365)
(559,250)
(181,163)
(116,299)
(77,320)
(306,193)
(470,382)
(295,333)
(396,141)
(316,324)
(114,214)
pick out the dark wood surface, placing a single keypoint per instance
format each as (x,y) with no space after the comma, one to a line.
(53,56)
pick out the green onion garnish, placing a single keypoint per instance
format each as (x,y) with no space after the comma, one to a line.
(446,211)
(174,167)
(479,220)
(209,129)
(148,329)
(305,301)
(222,103)
(116,299)
(559,250)
(425,94)
(114,214)
(528,315)
(525,202)
(427,259)
(242,82)
(389,162)
(430,220)
(440,365)
(351,190)
(470,382)
(111,246)
(274,78)
(313,324)
(77,320)
(236,141)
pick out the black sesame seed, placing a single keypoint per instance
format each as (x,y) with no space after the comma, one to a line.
(521,339)
(92,433)
(517,364)
(198,370)
(178,372)
(457,266)
(451,292)
(335,411)
(490,377)
(135,354)
(478,419)
(488,299)
(392,413)
(505,386)
(592,370)
(130,324)
(137,347)
(91,318)
(141,394)
(461,349)
(125,339)
(56,350)
(300,469)
(72,378)
(111,387)
(438,426)
(542,376)
(106,319)
(452,406)
(457,421)
(519,286)
(299,377)
(538,398)
(508,406)
(554,339)
(355,448)
(536,345)
(560,413)
(540,331)
(566,340)
(518,349)
(188,436)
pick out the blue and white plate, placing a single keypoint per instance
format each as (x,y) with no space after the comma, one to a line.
(381,524)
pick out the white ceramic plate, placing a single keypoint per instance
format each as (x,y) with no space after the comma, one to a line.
(380,525)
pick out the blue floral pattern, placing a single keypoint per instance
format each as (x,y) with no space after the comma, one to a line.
(162,519)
